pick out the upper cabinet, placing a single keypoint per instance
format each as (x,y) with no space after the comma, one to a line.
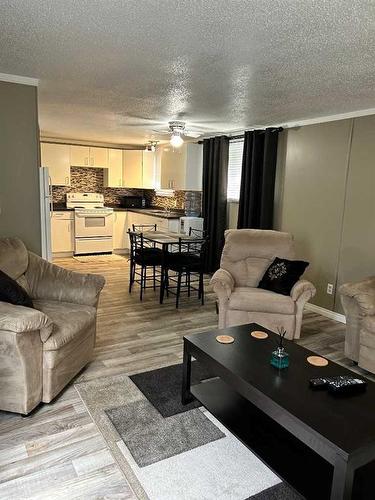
(132,168)
(99,157)
(148,170)
(113,174)
(57,158)
(180,168)
(80,156)
(85,156)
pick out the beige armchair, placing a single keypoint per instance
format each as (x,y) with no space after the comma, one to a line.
(358,301)
(246,255)
(42,349)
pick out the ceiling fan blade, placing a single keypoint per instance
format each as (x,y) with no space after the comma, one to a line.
(194,135)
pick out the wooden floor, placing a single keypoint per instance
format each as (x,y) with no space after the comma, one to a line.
(57,451)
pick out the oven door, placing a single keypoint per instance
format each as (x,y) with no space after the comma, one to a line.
(91,225)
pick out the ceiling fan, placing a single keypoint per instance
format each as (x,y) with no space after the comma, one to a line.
(177,131)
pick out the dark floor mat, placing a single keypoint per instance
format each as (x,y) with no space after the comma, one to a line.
(162,387)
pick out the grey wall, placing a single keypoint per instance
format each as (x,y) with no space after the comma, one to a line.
(310,194)
(19,162)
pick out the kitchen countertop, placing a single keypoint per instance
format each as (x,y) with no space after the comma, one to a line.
(155,212)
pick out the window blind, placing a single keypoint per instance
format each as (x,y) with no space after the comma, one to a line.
(234,169)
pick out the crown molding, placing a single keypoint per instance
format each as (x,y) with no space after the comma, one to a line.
(81,142)
(328,118)
(23,80)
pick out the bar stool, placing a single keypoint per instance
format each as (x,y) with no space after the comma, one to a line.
(145,255)
(188,261)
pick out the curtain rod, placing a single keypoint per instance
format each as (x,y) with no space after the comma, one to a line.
(241,136)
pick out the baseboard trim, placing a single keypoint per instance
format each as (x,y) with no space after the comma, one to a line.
(326,312)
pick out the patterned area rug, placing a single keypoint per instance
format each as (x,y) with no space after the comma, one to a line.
(168,451)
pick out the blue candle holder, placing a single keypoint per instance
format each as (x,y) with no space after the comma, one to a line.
(280,358)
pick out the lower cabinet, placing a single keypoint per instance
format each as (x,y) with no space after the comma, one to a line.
(62,232)
(161,223)
(120,228)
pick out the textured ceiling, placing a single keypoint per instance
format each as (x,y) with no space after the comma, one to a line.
(110,69)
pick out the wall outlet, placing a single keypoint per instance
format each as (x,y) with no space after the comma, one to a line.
(330,289)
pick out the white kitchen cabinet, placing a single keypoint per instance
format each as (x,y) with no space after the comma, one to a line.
(120,228)
(57,158)
(98,157)
(162,224)
(62,232)
(148,170)
(85,156)
(79,156)
(132,168)
(180,168)
(113,174)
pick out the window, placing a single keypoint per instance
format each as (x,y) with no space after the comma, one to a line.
(234,169)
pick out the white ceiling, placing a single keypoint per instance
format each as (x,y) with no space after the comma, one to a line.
(109,69)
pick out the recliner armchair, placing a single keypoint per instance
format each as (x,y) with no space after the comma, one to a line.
(246,255)
(42,349)
(358,301)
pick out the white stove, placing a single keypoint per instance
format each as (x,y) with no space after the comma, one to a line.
(93,223)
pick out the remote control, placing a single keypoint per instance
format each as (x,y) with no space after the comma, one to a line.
(319,383)
(346,384)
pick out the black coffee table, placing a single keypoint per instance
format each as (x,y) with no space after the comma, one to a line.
(315,441)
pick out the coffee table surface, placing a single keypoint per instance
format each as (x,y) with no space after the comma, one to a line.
(346,422)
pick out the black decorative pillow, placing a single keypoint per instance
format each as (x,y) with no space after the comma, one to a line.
(282,275)
(12,292)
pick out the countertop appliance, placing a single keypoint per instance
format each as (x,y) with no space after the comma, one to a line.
(93,223)
(190,222)
(133,202)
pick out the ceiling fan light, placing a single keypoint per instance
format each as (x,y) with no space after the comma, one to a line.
(176,140)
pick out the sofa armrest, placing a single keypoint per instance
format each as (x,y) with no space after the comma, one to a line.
(19,319)
(48,281)
(303,289)
(363,293)
(223,284)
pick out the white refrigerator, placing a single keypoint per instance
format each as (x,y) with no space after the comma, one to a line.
(46,211)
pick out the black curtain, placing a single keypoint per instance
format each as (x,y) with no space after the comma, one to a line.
(255,208)
(214,202)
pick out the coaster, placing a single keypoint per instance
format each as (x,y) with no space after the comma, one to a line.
(317,361)
(259,335)
(225,339)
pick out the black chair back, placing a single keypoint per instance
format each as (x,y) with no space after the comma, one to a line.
(144,227)
(140,229)
(136,242)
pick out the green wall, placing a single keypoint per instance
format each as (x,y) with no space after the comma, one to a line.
(19,162)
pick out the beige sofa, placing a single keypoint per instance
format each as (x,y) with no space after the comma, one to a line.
(358,301)
(246,255)
(42,349)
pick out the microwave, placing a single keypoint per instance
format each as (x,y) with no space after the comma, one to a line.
(133,202)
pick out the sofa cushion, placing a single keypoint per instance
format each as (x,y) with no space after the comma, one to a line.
(368,323)
(14,258)
(248,252)
(69,321)
(257,299)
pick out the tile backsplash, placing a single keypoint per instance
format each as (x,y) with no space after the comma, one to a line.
(91,180)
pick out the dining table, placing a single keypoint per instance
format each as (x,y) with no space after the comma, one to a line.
(165,239)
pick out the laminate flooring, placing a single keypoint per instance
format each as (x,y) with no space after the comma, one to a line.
(57,452)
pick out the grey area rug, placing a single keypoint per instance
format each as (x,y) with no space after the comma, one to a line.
(185,455)
(162,387)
